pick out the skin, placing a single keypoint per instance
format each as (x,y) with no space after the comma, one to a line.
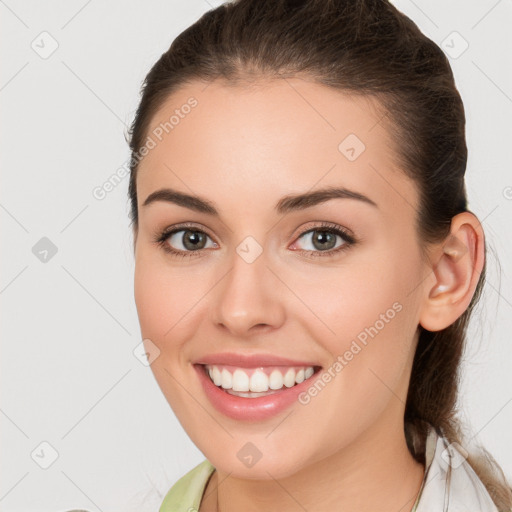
(243,148)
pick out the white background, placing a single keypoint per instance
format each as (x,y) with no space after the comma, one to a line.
(69,326)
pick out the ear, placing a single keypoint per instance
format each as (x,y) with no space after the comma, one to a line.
(456,267)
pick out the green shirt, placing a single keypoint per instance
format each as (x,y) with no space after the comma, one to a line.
(186,494)
(449,484)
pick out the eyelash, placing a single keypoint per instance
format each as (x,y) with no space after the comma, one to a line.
(325,227)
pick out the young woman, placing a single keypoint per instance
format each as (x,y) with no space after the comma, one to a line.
(305,261)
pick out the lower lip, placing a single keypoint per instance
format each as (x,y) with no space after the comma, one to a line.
(250,409)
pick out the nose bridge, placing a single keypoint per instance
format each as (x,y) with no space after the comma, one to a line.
(247,297)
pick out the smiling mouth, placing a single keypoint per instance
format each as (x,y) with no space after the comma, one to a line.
(259,381)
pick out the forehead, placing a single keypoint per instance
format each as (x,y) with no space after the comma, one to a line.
(270,138)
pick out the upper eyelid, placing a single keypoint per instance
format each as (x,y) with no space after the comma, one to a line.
(172,230)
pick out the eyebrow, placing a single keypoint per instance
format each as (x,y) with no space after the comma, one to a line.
(285,205)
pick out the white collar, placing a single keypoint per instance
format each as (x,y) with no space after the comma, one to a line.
(450,483)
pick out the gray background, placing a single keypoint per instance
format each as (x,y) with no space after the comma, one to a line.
(69,376)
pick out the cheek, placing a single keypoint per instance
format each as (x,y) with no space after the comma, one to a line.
(172,303)
(371,322)
(370,318)
(165,306)
(347,300)
(164,298)
(151,300)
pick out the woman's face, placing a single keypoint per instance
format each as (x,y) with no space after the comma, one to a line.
(258,273)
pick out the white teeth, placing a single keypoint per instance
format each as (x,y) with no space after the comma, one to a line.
(226,379)
(259,382)
(289,378)
(249,394)
(217,376)
(276,380)
(240,380)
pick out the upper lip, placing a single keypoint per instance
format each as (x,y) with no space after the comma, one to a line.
(250,360)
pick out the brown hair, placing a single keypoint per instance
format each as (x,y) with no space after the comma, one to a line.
(364,47)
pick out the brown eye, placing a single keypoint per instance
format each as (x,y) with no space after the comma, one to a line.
(187,240)
(325,240)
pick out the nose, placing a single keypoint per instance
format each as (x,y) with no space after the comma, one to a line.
(249,298)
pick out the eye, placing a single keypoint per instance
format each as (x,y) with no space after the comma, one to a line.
(184,241)
(326,240)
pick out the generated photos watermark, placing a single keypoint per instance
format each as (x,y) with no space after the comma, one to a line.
(344,359)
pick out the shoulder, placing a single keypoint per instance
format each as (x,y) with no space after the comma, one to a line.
(450,482)
(187,492)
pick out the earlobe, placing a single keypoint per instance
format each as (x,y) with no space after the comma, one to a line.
(456,270)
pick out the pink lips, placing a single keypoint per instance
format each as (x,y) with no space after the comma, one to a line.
(251,409)
(251,360)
